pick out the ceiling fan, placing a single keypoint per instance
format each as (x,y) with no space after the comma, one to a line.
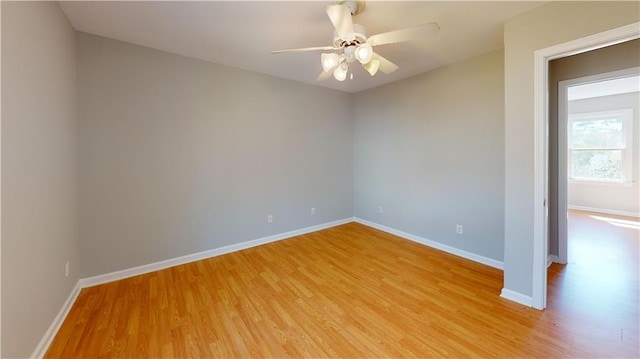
(350,43)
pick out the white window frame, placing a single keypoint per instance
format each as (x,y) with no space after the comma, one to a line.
(626,115)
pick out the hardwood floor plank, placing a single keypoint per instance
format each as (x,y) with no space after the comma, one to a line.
(353,291)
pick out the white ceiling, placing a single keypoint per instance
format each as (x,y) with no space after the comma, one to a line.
(604,88)
(242,33)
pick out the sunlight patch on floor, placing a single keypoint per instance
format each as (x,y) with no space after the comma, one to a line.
(619,222)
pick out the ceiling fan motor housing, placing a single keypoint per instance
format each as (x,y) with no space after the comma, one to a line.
(360,33)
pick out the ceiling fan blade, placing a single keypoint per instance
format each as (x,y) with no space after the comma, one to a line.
(326,74)
(372,66)
(386,66)
(411,33)
(304,49)
(340,17)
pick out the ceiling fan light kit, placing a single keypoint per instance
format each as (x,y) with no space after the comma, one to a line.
(351,40)
(340,73)
(364,53)
(329,61)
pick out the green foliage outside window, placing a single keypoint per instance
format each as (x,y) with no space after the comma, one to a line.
(596,149)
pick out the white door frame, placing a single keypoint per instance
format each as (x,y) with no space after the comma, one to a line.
(563,148)
(541,151)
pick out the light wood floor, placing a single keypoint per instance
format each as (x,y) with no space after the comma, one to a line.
(352,291)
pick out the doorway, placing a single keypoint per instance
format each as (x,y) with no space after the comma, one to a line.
(599,165)
(598,148)
(541,190)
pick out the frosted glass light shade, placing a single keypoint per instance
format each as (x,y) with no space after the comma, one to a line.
(340,72)
(329,61)
(364,53)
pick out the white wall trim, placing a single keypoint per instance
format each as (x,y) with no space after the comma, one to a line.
(516,297)
(43,346)
(152,267)
(429,243)
(541,120)
(552,258)
(46,340)
(605,211)
(0,182)
(541,184)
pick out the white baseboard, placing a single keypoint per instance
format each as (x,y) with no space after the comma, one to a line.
(46,340)
(43,346)
(152,267)
(516,297)
(605,211)
(552,258)
(427,242)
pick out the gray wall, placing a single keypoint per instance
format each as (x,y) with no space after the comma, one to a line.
(430,150)
(607,59)
(179,155)
(623,198)
(551,24)
(39,202)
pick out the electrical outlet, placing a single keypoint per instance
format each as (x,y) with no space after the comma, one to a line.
(66,269)
(379,209)
(269,219)
(459,228)
(313,210)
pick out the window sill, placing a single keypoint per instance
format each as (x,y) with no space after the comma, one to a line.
(602,183)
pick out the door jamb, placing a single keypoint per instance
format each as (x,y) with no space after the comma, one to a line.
(541,152)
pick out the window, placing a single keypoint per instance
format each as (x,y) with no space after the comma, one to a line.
(600,146)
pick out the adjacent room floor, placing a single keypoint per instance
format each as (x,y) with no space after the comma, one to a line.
(599,288)
(353,291)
